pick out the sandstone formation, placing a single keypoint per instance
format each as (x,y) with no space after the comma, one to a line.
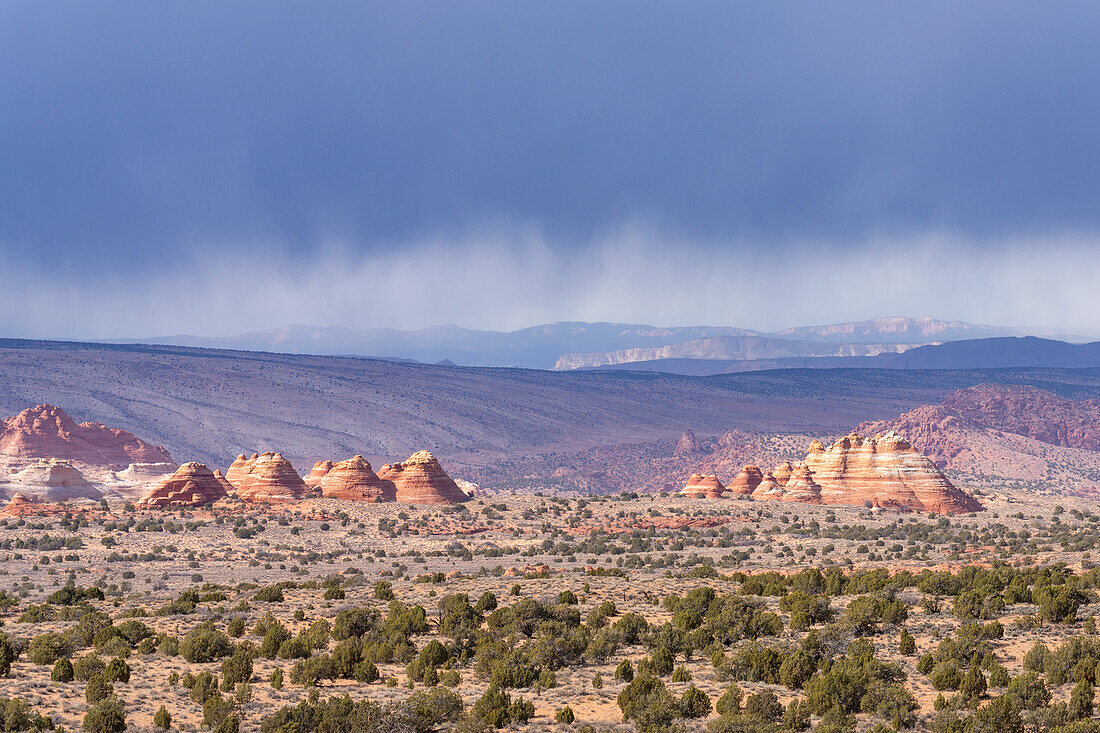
(192,485)
(421,480)
(142,472)
(884,472)
(688,444)
(746,481)
(318,472)
(355,480)
(240,468)
(46,431)
(228,487)
(17,506)
(50,479)
(700,486)
(270,478)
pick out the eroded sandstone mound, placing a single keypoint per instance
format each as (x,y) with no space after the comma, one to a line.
(192,485)
(142,472)
(700,486)
(355,480)
(50,479)
(421,480)
(270,478)
(319,471)
(240,467)
(46,431)
(746,481)
(884,471)
(17,506)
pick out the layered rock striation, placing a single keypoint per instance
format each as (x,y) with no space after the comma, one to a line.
(192,485)
(47,431)
(270,478)
(421,480)
(700,487)
(355,480)
(49,480)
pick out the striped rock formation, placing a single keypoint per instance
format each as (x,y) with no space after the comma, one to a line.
(46,431)
(50,479)
(18,506)
(355,480)
(421,480)
(318,472)
(240,468)
(192,485)
(886,472)
(270,479)
(700,486)
(745,482)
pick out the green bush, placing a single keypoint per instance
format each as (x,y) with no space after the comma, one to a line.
(62,671)
(204,643)
(106,716)
(98,689)
(163,719)
(647,703)
(694,703)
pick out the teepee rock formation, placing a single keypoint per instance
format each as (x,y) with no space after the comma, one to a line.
(50,479)
(47,431)
(887,472)
(319,471)
(192,485)
(745,482)
(700,486)
(355,480)
(421,480)
(240,468)
(17,506)
(270,478)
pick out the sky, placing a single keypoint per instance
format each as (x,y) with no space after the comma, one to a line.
(214,168)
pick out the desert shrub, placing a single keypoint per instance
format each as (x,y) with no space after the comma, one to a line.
(117,671)
(8,654)
(134,631)
(308,672)
(204,643)
(565,715)
(17,716)
(71,595)
(296,648)
(276,679)
(624,672)
(486,602)
(163,719)
(106,716)
(383,591)
(48,648)
(85,667)
(269,594)
(62,671)
(354,622)
(647,703)
(730,701)
(203,686)
(99,688)
(497,709)
(694,703)
(237,667)
(236,627)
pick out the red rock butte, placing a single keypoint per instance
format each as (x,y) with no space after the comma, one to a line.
(46,431)
(699,487)
(192,485)
(355,480)
(269,478)
(884,472)
(421,480)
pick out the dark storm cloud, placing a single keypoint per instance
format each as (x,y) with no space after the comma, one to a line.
(138,137)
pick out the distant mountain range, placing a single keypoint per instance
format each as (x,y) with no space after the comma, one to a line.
(578,345)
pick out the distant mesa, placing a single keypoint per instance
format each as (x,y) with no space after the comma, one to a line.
(319,471)
(688,444)
(421,480)
(745,482)
(46,431)
(266,477)
(192,485)
(700,487)
(50,480)
(355,480)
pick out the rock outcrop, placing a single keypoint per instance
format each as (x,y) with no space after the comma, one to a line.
(745,482)
(50,479)
(18,506)
(700,487)
(270,478)
(688,444)
(192,485)
(46,431)
(240,468)
(421,480)
(884,472)
(887,472)
(319,471)
(355,480)
(137,473)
